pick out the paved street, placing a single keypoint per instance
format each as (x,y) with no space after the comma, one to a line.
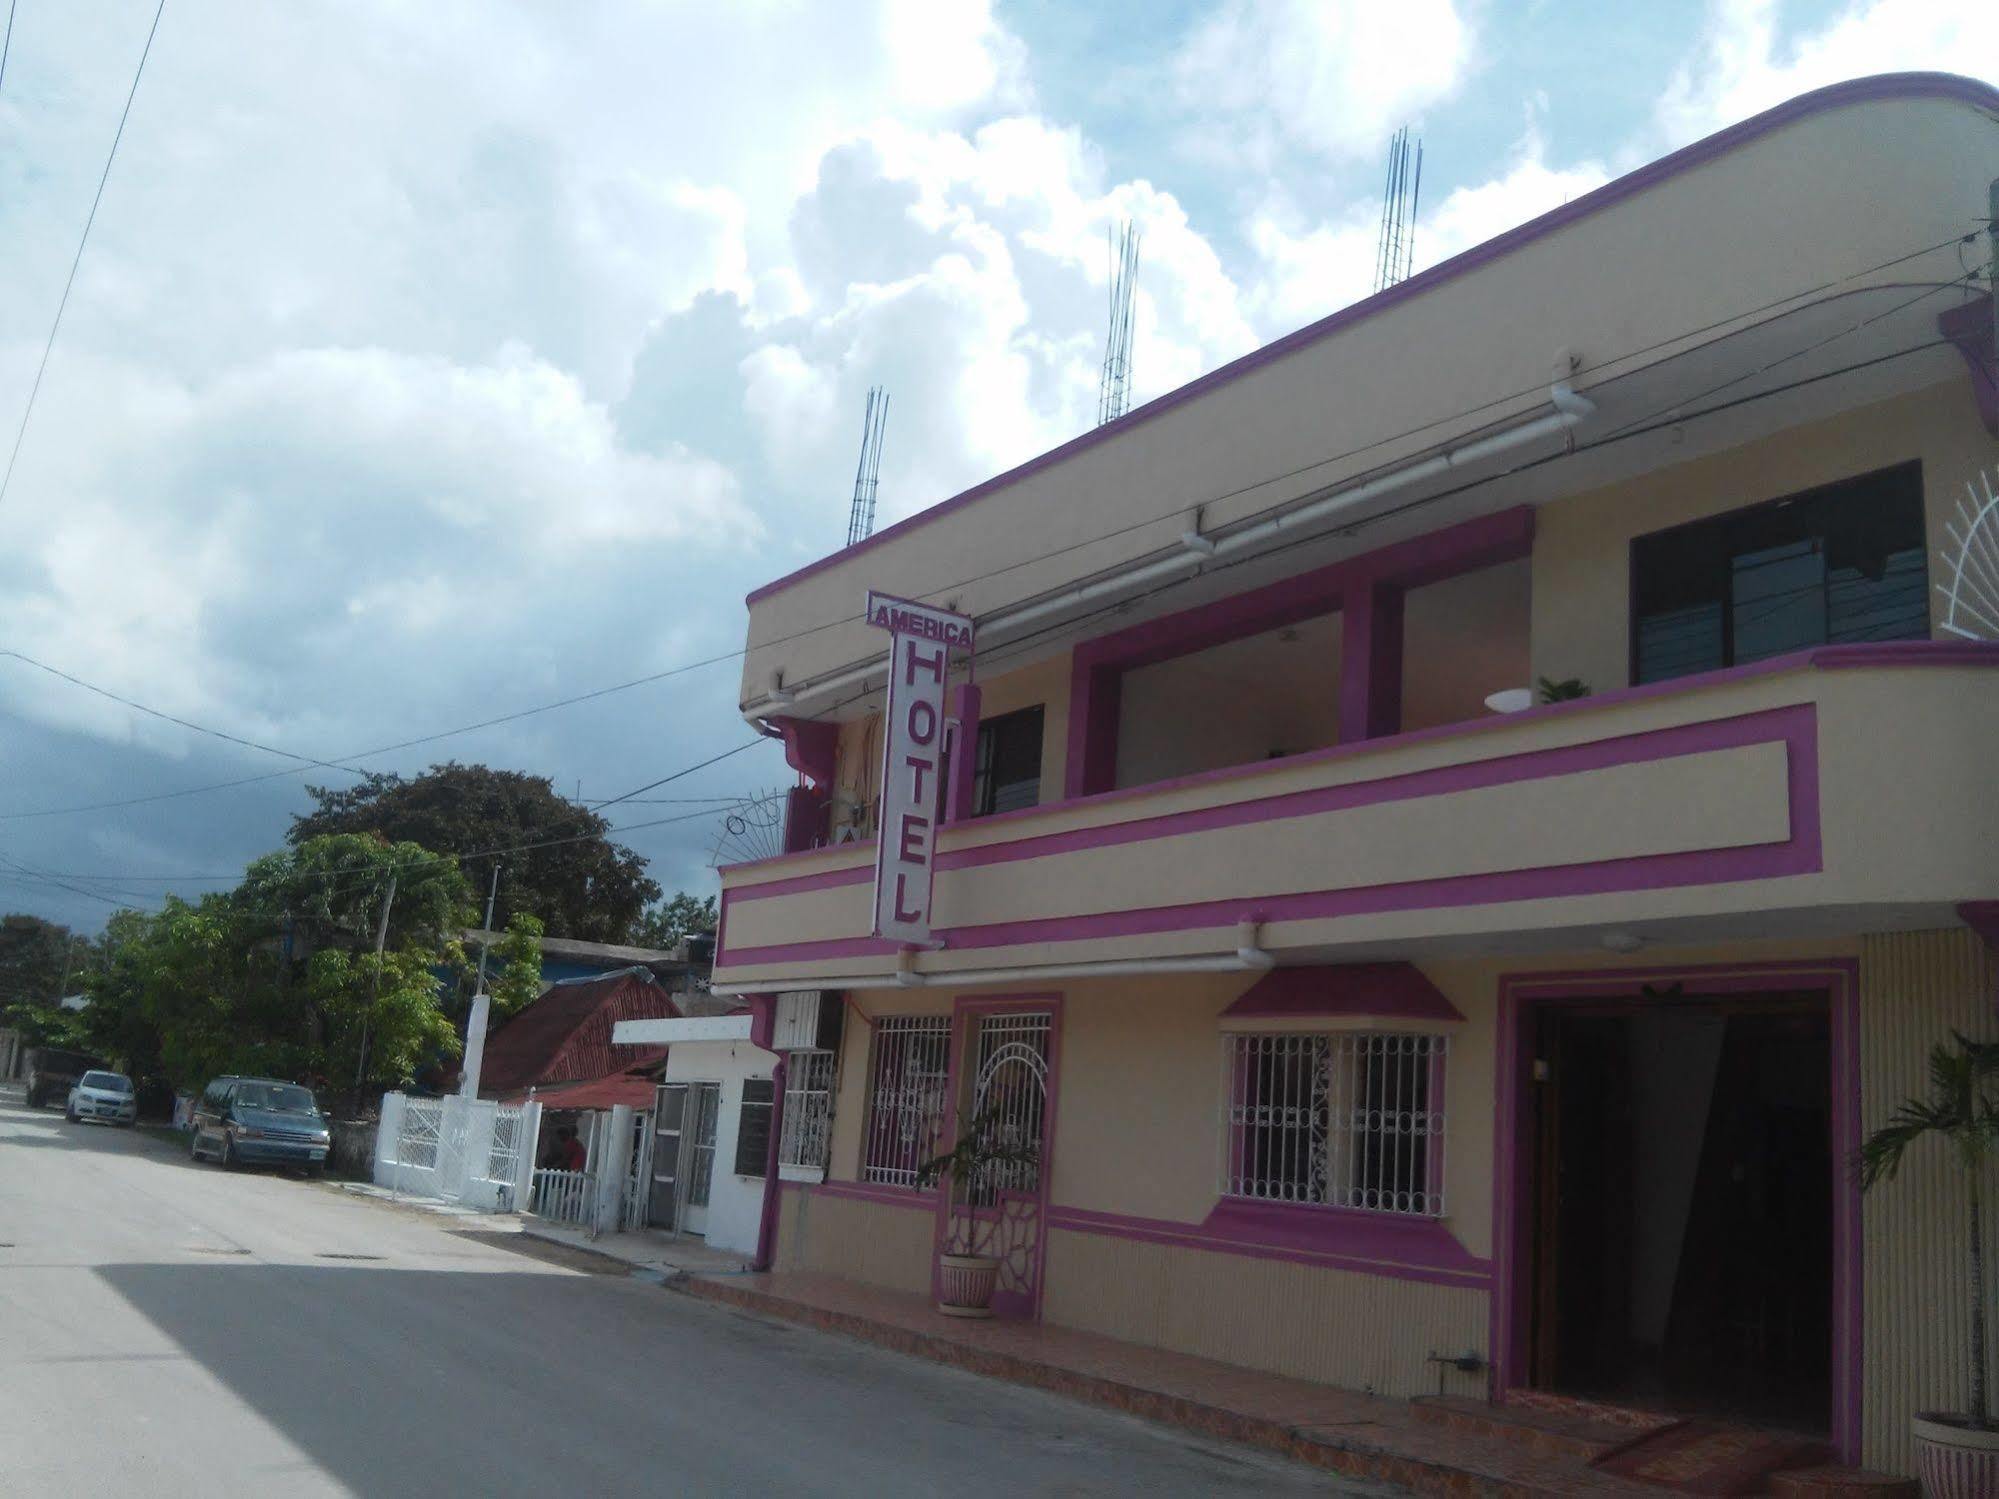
(165,1325)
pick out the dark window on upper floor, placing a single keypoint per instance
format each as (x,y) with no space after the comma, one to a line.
(1008,769)
(1842,563)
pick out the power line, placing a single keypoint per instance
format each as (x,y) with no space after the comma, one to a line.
(105,692)
(84,239)
(7,44)
(341,762)
(1264,482)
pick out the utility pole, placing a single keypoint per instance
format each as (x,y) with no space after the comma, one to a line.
(482,1004)
(375,988)
(486,942)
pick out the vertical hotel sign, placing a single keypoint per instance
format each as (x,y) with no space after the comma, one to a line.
(921,640)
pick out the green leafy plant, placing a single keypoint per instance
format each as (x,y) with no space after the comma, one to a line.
(1566,690)
(986,1154)
(1962,1111)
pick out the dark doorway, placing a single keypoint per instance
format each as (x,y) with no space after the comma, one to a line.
(1683,1251)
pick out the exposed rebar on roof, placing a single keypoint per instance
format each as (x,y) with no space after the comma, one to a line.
(1395,250)
(1114,390)
(867,477)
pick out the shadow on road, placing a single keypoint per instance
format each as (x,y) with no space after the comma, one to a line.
(537,1382)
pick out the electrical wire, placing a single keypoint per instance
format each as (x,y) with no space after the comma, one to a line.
(41,369)
(185,723)
(1300,471)
(7,43)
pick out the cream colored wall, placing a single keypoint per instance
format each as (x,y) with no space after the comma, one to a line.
(1582,545)
(1231,704)
(1046,683)
(1915,988)
(864,1241)
(1360,1332)
(1812,205)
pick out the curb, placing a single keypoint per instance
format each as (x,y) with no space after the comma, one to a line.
(1346,1456)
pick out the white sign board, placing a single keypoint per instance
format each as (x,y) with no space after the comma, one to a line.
(921,640)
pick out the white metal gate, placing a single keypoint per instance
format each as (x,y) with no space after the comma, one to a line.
(1000,1210)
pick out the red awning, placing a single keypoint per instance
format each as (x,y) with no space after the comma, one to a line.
(598,1093)
(1391,991)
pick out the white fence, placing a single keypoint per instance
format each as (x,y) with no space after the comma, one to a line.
(561,1196)
(464,1150)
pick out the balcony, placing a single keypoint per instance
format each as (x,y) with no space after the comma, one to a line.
(1839,789)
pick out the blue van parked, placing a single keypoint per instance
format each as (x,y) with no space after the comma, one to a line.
(244,1121)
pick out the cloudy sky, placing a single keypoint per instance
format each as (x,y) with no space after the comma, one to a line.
(434,360)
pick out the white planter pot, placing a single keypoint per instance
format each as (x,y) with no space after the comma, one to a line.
(1955,1461)
(965,1284)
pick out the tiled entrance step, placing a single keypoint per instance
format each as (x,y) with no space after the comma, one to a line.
(1591,1434)
(1574,1432)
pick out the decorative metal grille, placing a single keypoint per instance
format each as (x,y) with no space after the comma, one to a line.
(806,1139)
(701,1150)
(1350,1120)
(906,1083)
(1010,1092)
(503,1161)
(423,1119)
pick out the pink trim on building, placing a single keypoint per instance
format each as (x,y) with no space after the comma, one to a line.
(1800,853)
(1393,991)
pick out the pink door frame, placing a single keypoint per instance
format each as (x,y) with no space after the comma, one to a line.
(965,1010)
(1521,994)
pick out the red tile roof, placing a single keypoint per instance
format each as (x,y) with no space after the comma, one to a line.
(565,1035)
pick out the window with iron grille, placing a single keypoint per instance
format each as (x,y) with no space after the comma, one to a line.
(1351,1120)
(805,1140)
(753,1126)
(906,1082)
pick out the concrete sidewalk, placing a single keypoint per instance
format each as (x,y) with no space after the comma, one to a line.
(650,1253)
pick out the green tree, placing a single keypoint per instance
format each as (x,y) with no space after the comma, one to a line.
(514,974)
(40,962)
(680,916)
(1961,1113)
(578,884)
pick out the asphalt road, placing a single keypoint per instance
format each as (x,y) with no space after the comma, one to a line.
(169,1329)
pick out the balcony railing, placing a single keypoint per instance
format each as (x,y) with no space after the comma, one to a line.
(1849,775)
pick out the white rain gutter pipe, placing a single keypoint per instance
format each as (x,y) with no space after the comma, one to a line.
(1569,409)
(1247,958)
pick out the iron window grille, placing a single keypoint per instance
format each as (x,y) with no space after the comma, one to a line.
(1350,1120)
(907,1079)
(753,1126)
(805,1141)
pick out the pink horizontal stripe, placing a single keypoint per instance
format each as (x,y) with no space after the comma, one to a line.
(1596,754)
(1438,1259)
(1801,853)
(1837,96)
(1906,653)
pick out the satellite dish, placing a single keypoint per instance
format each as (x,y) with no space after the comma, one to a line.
(1970,565)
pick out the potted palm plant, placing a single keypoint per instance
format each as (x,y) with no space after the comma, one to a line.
(1957,1454)
(987,1157)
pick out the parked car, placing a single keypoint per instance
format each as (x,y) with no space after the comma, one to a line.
(52,1072)
(103,1095)
(243,1121)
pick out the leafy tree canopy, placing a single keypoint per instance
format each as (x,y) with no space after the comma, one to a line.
(585,887)
(40,961)
(678,916)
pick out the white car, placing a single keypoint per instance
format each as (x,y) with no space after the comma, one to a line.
(103,1095)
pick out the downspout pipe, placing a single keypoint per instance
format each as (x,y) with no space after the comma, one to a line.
(767,1223)
(1569,408)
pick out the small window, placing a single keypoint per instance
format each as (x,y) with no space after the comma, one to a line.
(1008,768)
(906,1082)
(1352,1120)
(753,1126)
(805,1139)
(1843,563)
